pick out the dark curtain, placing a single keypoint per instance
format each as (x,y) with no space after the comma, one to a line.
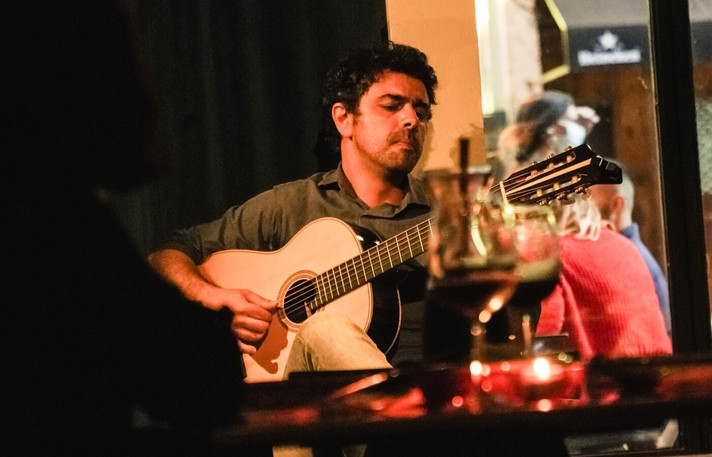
(238,88)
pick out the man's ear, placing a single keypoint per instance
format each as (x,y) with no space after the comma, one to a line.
(343,120)
(618,203)
(617,208)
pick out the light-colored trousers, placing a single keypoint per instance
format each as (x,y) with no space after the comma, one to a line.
(330,341)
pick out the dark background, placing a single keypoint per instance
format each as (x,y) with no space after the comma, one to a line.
(238,85)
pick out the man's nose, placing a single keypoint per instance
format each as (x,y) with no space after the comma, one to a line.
(409,117)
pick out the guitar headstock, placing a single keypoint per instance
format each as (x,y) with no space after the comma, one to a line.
(559,176)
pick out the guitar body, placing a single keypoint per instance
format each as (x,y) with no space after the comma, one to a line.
(284,275)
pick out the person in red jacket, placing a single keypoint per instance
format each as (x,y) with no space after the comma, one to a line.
(606,298)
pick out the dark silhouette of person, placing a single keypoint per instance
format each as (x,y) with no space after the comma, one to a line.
(94,344)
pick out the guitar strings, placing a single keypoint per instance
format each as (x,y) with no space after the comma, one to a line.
(334,281)
(340,280)
(331,284)
(331,279)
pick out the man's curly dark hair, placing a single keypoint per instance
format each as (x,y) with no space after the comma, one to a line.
(358,69)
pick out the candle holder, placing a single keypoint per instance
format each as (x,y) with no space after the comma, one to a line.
(541,382)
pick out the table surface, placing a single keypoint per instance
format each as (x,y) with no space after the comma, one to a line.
(451,400)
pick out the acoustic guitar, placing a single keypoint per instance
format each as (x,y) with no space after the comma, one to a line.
(325,262)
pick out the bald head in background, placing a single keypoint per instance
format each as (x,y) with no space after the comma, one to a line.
(615,203)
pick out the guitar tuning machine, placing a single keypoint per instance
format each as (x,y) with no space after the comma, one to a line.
(585,193)
(565,199)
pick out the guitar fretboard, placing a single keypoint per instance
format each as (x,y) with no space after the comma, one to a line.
(371,263)
(571,171)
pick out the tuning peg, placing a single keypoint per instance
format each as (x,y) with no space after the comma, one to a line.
(584,192)
(565,199)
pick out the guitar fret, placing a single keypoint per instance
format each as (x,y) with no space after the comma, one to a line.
(333,284)
(379,257)
(421,239)
(410,249)
(322,290)
(363,269)
(339,281)
(357,271)
(319,290)
(336,282)
(373,272)
(351,286)
(345,276)
(400,254)
(329,283)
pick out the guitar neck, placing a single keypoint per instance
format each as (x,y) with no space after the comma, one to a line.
(371,263)
(572,171)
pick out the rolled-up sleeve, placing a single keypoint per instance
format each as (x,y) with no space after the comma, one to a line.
(248,226)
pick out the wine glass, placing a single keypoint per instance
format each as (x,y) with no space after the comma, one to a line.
(472,252)
(537,267)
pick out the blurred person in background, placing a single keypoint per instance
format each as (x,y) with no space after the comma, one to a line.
(545,125)
(605,299)
(615,202)
(604,296)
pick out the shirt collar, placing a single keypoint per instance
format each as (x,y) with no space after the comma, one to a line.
(631,231)
(415,194)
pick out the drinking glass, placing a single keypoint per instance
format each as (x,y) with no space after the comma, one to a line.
(472,252)
(537,267)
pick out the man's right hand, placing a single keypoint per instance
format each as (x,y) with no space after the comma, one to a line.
(252,315)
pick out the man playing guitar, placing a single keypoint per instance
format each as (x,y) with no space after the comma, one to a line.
(379,100)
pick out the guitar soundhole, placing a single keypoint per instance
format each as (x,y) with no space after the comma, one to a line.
(296,301)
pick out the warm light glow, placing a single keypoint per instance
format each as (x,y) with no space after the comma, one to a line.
(542,368)
(476,368)
(457,401)
(482,14)
(485,316)
(496,303)
(544,405)
(482,23)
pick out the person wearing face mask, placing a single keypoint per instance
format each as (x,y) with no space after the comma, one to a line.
(544,125)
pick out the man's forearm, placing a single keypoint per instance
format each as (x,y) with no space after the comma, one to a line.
(180,270)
